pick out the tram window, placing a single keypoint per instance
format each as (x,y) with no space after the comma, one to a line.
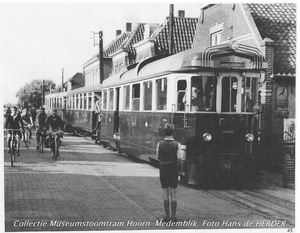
(85,101)
(111,99)
(90,101)
(161,85)
(181,95)
(229,94)
(203,93)
(249,90)
(80,100)
(77,101)
(147,95)
(136,97)
(126,97)
(71,102)
(104,99)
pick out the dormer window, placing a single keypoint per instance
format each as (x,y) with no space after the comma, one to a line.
(147,31)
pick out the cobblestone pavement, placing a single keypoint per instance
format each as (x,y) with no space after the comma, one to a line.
(91,188)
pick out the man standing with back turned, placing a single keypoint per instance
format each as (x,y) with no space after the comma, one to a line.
(168,152)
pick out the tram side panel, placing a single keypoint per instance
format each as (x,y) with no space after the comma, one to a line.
(139,132)
(80,119)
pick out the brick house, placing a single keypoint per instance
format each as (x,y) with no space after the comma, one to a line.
(272,29)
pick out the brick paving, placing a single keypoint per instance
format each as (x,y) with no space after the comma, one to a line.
(91,188)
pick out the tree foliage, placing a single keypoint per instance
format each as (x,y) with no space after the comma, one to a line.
(31,95)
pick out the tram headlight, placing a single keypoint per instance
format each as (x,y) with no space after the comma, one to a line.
(207,137)
(249,137)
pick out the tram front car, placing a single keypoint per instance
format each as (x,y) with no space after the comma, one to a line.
(217,116)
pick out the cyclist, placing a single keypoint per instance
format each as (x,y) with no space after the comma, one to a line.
(14,121)
(40,125)
(27,120)
(54,123)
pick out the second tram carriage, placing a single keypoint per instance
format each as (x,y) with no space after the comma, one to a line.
(210,96)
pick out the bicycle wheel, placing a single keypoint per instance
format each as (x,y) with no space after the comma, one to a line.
(12,152)
(55,149)
(42,144)
(26,139)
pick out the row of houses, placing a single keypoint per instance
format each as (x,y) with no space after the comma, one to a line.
(269,27)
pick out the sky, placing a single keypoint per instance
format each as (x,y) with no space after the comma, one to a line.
(38,40)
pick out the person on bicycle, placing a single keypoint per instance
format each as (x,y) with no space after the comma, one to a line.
(40,125)
(14,121)
(54,123)
(28,123)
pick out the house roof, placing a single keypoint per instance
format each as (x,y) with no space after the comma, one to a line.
(278,22)
(135,36)
(77,81)
(183,31)
(116,44)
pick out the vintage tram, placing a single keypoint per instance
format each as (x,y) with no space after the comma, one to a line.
(56,101)
(76,107)
(210,96)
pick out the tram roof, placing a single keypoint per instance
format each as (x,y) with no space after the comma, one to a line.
(189,60)
(93,88)
(57,94)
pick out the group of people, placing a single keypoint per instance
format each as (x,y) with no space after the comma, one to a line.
(19,120)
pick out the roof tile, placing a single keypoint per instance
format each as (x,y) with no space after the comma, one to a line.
(277,22)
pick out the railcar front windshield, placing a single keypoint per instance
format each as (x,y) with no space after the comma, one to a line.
(203,93)
(236,94)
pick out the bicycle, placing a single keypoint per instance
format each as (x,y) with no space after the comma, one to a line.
(55,143)
(42,139)
(27,140)
(13,145)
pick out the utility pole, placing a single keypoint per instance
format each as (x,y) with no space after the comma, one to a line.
(171,26)
(62,81)
(43,92)
(100,43)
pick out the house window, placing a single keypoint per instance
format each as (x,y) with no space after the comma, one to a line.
(215,34)
(216,38)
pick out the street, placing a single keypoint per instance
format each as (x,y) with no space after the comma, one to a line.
(92,188)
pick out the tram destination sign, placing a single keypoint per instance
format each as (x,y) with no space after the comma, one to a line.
(232,65)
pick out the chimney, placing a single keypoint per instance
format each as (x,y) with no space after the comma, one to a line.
(181,14)
(118,32)
(128,27)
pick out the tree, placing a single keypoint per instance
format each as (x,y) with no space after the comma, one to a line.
(31,95)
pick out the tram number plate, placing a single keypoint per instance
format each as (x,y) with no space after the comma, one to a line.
(232,65)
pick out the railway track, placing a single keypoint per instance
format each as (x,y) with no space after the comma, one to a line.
(267,206)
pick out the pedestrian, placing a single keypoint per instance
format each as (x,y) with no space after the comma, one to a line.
(33,114)
(169,154)
(40,125)
(7,112)
(98,116)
